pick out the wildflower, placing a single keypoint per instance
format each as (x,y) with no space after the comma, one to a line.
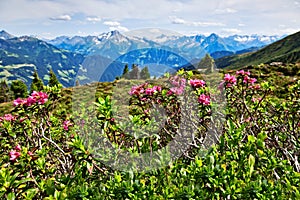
(176,81)
(255,87)
(204,99)
(230,80)
(169,93)
(248,119)
(137,90)
(30,101)
(66,124)
(179,85)
(40,97)
(149,91)
(256,100)
(22,119)
(8,117)
(18,101)
(156,88)
(177,90)
(221,86)
(247,79)
(18,148)
(242,72)
(197,83)
(14,155)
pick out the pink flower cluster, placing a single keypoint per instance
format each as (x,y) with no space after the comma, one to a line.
(255,87)
(256,100)
(35,97)
(246,75)
(8,117)
(66,124)
(137,90)
(249,80)
(151,91)
(197,83)
(179,85)
(204,99)
(14,154)
(230,80)
(144,89)
(243,73)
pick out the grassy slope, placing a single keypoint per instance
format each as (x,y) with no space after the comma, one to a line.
(279,76)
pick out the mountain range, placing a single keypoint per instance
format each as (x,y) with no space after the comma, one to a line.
(114,44)
(102,57)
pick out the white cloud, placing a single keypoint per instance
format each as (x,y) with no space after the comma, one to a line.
(289,30)
(225,11)
(93,19)
(119,28)
(176,20)
(114,25)
(62,18)
(111,23)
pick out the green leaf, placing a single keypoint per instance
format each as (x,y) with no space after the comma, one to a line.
(251,139)
(251,162)
(11,196)
(118,177)
(262,136)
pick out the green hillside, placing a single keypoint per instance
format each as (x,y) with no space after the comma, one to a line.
(286,50)
(19,57)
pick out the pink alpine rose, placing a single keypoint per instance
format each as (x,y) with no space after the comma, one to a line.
(149,91)
(66,124)
(14,155)
(18,148)
(242,72)
(230,79)
(204,99)
(18,101)
(197,83)
(9,117)
(247,79)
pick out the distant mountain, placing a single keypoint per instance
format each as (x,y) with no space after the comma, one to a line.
(111,45)
(19,57)
(5,36)
(286,50)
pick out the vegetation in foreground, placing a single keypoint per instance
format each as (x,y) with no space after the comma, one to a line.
(49,153)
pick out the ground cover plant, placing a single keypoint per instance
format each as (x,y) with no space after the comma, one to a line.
(49,152)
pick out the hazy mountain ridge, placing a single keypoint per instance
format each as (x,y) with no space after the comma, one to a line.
(190,47)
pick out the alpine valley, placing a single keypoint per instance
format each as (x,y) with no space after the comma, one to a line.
(103,57)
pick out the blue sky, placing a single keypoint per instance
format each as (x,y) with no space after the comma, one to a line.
(50,18)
